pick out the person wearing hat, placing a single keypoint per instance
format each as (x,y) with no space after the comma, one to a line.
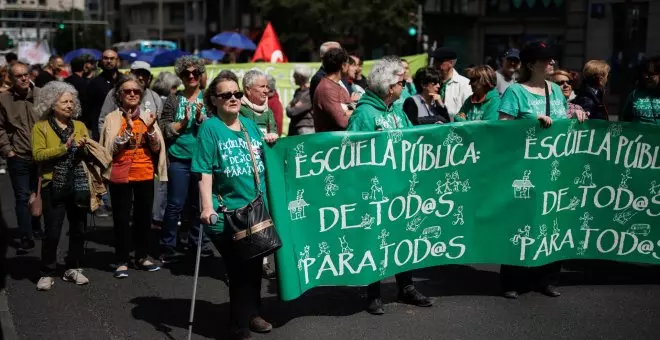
(508,73)
(151,101)
(454,89)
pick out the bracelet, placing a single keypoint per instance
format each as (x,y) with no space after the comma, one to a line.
(151,134)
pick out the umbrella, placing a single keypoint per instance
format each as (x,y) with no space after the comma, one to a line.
(212,54)
(233,39)
(80,52)
(159,58)
(129,56)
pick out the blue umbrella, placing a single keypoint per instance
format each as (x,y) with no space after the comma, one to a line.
(159,58)
(82,51)
(212,54)
(233,39)
(129,56)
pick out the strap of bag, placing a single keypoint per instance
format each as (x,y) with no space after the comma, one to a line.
(547,99)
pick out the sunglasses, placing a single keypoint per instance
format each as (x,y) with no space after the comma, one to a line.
(563,82)
(187,74)
(229,95)
(136,92)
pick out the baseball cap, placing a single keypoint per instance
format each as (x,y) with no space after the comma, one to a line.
(536,51)
(140,65)
(513,53)
(443,54)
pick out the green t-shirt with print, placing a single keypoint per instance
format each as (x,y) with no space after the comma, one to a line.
(522,104)
(641,106)
(371,114)
(486,110)
(185,144)
(223,153)
(265,121)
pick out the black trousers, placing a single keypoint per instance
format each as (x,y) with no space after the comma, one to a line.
(523,278)
(244,285)
(139,197)
(403,280)
(54,210)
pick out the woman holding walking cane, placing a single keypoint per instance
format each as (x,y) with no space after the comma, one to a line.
(228,184)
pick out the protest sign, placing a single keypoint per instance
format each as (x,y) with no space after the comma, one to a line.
(354,208)
(283,73)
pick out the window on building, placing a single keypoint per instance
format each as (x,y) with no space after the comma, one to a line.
(12,2)
(526,7)
(628,44)
(42,2)
(177,14)
(191,11)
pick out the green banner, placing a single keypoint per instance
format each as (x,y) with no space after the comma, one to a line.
(354,208)
(283,74)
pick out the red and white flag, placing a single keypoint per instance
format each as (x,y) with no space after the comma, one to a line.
(269,48)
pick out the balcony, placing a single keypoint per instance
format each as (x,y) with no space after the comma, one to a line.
(525,8)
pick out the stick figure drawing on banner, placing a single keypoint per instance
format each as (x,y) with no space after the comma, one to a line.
(376,190)
(625,176)
(655,188)
(459,216)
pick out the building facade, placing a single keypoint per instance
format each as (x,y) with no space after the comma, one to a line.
(30,19)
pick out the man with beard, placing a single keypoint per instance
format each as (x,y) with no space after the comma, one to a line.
(508,73)
(16,121)
(151,101)
(97,91)
(49,73)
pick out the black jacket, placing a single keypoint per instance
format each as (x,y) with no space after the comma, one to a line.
(591,100)
(95,97)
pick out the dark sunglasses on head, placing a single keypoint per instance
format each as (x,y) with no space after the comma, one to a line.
(127,92)
(195,73)
(228,95)
(563,82)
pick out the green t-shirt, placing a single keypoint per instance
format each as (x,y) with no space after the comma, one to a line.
(224,154)
(486,110)
(522,104)
(371,114)
(641,106)
(265,121)
(185,144)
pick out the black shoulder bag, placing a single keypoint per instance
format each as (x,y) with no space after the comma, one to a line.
(252,230)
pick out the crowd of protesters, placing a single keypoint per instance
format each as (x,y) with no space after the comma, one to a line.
(154,150)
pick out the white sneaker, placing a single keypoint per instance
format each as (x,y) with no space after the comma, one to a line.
(75,275)
(45,283)
(3,171)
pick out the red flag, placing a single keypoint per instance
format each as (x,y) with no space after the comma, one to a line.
(269,48)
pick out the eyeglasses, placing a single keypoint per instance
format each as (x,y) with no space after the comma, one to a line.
(229,95)
(187,74)
(135,92)
(563,82)
(402,83)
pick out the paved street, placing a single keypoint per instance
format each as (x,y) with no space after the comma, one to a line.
(603,301)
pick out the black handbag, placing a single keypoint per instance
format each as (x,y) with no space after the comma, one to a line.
(252,230)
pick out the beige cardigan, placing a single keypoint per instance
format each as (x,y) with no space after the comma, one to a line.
(111,127)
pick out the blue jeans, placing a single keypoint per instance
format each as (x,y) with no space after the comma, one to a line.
(23,174)
(182,205)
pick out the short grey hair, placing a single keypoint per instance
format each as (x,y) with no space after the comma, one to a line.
(251,76)
(327,46)
(188,61)
(272,83)
(165,82)
(303,71)
(385,73)
(47,97)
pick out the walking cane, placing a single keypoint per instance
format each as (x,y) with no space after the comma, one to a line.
(214,220)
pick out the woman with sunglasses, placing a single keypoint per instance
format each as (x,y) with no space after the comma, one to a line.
(376,112)
(565,81)
(183,113)
(137,147)
(643,103)
(485,99)
(222,140)
(426,106)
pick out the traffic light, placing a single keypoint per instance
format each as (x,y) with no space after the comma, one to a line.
(412,27)
(60,26)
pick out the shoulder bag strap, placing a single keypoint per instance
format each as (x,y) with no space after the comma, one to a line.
(257,181)
(547,99)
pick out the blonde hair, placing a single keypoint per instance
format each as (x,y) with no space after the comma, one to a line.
(484,74)
(594,69)
(562,73)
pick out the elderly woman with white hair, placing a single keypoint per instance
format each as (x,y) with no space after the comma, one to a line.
(300,108)
(183,113)
(375,112)
(57,140)
(254,105)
